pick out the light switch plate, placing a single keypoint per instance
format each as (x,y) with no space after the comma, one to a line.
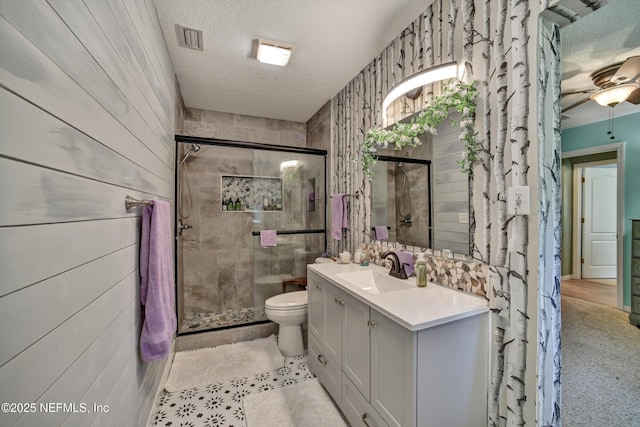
(518,201)
(463,217)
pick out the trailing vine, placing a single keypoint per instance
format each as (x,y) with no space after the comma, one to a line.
(457,95)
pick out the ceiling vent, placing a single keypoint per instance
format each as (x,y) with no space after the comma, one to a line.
(188,37)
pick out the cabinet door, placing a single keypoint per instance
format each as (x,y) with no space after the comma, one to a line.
(316,305)
(326,369)
(356,409)
(393,371)
(355,345)
(332,339)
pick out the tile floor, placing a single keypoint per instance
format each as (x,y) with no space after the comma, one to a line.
(218,405)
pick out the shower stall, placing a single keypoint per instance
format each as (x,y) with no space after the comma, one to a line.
(226,193)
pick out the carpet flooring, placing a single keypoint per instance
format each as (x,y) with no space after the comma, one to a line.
(600,366)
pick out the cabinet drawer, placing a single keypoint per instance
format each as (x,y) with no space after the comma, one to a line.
(635,285)
(325,368)
(635,267)
(356,409)
(635,304)
(635,229)
(635,248)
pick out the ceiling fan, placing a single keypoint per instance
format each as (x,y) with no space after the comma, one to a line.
(613,84)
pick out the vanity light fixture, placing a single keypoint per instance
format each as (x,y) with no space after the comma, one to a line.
(422,78)
(612,96)
(273,53)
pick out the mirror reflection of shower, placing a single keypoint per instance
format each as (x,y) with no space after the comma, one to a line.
(406,218)
(185,200)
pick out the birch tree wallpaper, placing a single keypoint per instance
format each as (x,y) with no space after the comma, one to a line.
(511,50)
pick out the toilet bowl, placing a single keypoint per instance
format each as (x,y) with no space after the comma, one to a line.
(289,311)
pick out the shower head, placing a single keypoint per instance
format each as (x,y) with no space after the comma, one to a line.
(194,149)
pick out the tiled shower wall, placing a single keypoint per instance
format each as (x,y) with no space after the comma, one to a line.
(217,255)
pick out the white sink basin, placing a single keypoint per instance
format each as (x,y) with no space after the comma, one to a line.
(375,282)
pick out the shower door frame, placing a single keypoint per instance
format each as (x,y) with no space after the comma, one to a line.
(188,139)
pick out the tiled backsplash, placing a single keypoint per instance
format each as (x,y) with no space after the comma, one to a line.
(454,270)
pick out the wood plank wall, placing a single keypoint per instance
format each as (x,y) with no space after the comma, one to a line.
(450,191)
(87,110)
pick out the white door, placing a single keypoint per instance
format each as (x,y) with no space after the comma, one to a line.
(599,225)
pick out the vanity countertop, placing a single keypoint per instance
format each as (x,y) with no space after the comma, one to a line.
(414,308)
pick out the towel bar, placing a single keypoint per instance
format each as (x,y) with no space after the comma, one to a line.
(349,195)
(130,202)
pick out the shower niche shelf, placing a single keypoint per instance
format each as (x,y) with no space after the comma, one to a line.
(251,193)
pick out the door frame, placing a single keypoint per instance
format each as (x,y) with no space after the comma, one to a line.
(618,148)
(578,212)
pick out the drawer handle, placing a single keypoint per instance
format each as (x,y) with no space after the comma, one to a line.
(371,323)
(319,286)
(364,419)
(322,360)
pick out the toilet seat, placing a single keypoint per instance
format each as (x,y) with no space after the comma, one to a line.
(287,301)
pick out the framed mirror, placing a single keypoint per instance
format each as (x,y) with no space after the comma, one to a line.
(421,195)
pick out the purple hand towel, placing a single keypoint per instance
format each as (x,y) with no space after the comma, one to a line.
(268,238)
(339,218)
(382,232)
(157,289)
(406,261)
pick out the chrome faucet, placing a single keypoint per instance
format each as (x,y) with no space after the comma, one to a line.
(397,270)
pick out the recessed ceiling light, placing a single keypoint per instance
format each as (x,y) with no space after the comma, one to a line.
(273,53)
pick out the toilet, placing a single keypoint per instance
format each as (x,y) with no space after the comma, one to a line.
(288,310)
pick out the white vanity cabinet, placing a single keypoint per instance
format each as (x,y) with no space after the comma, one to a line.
(393,367)
(381,373)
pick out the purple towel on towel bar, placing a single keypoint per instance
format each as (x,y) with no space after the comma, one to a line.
(406,261)
(382,232)
(157,289)
(339,215)
(268,238)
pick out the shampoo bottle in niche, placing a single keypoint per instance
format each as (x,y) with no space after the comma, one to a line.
(421,272)
(238,206)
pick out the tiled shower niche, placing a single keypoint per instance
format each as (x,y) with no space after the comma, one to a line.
(250,193)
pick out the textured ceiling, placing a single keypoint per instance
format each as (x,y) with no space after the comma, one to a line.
(605,37)
(333,41)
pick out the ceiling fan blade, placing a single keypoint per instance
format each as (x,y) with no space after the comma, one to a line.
(628,71)
(634,98)
(572,106)
(575,92)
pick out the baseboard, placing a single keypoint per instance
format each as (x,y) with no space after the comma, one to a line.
(566,277)
(163,381)
(627,308)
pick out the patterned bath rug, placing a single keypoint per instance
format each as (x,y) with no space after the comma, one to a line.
(223,363)
(302,405)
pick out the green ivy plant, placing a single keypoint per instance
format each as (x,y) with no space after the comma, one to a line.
(457,95)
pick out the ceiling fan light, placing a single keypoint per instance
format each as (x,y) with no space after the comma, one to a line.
(612,96)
